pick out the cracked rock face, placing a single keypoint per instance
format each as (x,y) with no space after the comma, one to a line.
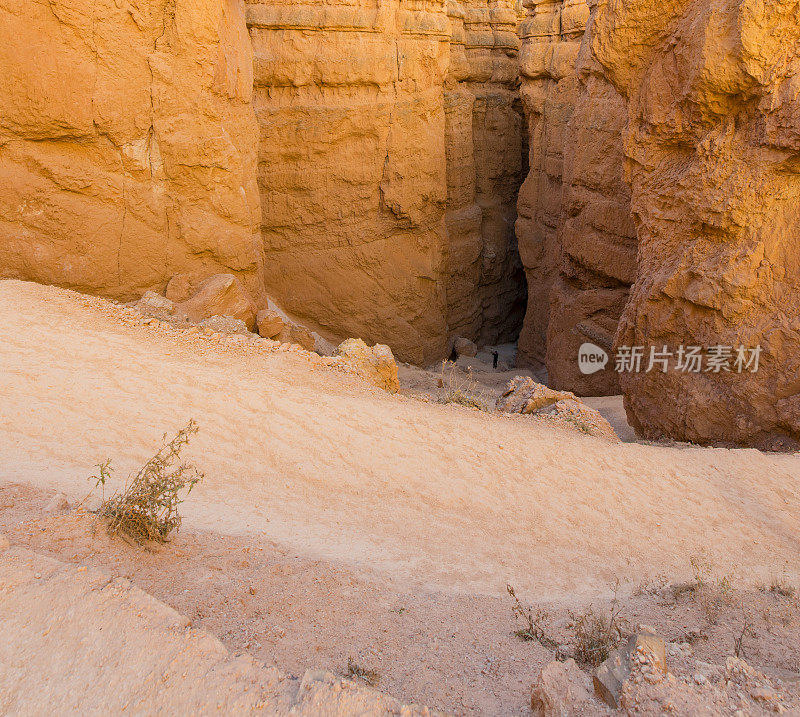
(714,157)
(127,144)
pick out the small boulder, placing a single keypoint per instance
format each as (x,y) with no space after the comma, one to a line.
(270,323)
(225,325)
(524,395)
(57,504)
(610,677)
(297,334)
(376,364)
(183,286)
(465,347)
(4,542)
(560,690)
(221,295)
(155,305)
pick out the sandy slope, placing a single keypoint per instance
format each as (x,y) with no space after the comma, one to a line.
(439,495)
(78,641)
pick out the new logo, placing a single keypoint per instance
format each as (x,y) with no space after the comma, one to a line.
(591,359)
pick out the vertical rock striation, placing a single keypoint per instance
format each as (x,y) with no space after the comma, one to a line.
(597,235)
(551,37)
(713,144)
(485,137)
(576,235)
(127,144)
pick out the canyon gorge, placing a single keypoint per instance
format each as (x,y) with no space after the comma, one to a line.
(555,172)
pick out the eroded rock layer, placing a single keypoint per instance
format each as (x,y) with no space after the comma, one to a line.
(374,166)
(597,236)
(576,234)
(713,139)
(389,161)
(551,38)
(127,144)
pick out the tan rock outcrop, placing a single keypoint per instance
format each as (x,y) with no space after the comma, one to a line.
(713,143)
(376,364)
(151,659)
(560,690)
(127,144)
(576,233)
(523,395)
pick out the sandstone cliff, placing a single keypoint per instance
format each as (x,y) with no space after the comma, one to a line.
(713,149)
(127,143)
(389,160)
(551,37)
(484,144)
(597,236)
(576,234)
(352,166)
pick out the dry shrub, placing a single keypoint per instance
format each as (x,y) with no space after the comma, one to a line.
(780,585)
(713,595)
(534,622)
(746,631)
(596,635)
(146,509)
(354,670)
(462,389)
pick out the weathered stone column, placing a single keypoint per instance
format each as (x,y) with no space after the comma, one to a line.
(713,147)
(349,98)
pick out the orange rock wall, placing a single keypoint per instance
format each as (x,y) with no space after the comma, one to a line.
(485,137)
(356,161)
(576,234)
(127,143)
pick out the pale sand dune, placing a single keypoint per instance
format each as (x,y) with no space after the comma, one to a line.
(430,494)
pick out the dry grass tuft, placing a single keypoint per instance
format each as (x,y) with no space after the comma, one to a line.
(462,389)
(146,509)
(596,635)
(713,595)
(780,585)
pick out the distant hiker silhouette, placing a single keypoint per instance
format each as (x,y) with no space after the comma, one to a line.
(494,359)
